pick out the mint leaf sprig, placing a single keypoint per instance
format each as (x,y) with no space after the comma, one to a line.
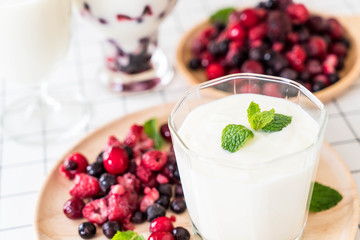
(128,235)
(222,15)
(267,121)
(234,137)
(150,128)
(324,197)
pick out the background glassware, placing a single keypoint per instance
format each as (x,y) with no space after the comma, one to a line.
(224,206)
(133,61)
(36,36)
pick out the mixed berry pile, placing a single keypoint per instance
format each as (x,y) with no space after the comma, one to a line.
(129,183)
(277,37)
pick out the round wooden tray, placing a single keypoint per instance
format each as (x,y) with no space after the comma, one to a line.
(348,75)
(338,223)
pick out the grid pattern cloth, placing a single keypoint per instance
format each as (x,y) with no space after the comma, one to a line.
(23,168)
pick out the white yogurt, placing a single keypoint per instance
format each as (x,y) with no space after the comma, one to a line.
(35,35)
(230,203)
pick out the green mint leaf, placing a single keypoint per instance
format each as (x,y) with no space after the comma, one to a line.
(260,119)
(234,137)
(278,123)
(150,128)
(323,198)
(253,109)
(222,15)
(128,235)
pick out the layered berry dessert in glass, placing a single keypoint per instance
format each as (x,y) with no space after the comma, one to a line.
(133,61)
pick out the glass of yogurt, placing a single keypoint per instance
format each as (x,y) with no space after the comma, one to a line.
(36,36)
(263,190)
(133,61)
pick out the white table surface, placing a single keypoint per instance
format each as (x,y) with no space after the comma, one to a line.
(23,168)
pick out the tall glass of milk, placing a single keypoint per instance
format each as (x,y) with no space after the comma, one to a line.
(133,62)
(263,190)
(35,38)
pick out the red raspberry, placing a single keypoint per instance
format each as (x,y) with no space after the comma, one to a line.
(317,47)
(129,181)
(121,207)
(252,66)
(161,224)
(313,66)
(330,63)
(143,173)
(215,70)
(151,183)
(296,57)
(272,89)
(161,236)
(154,160)
(134,135)
(293,37)
(298,13)
(261,13)
(249,17)
(258,32)
(96,211)
(249,88)
(206,59)
(278,46)
(84,186)
(151,195)
(144,145)
(73,164)
(117,190)
(335,29)
(116,160)
(113,141)
(236,32)
(160,178)
(321,78)
(339,49)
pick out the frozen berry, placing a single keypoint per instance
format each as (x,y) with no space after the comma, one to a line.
(113,141)
(339,49)
(214,70)
(151,195)
(317,86)
(129,151)
(278,26)
(110,228)
(154,160)
(161,236)
(84,186)
(73,164)
(73,208)
(258,32)
(163,201)
(206,59)
(178,205)
(99,158)
(134,135)
(256,53)
(271,89)
(87,230)
(335,29)
(249,18)
(154,211)
(317,46)
(248,88)
(333,78)
(181,233)
(296,57)
(313,66)
(165,132)
(144,173)
(116,160)
(161,224)
(96,211)
(138,217)
(329,64)
(165,189)
(194,63)
(288,73)
(95,169)
(298,13)
(251,66)
(106,180)
(316,24)
(178,190)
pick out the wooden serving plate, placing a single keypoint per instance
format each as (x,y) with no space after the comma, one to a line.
(348,75)
(338,223)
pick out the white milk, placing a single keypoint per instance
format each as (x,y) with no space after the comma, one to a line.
(35,35)
(264,203)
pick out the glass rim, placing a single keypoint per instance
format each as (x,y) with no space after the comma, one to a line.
(210,159)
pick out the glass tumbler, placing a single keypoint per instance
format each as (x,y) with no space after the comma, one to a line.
(230,200)
(133,61)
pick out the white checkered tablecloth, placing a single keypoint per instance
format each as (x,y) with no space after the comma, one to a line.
(23,168)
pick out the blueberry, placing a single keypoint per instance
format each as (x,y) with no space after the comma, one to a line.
(288,73)
(223,47)
(178,190)
(110,228)
(194,63)
(165,189)
(181,233)
(106,180)
(154,211)
(138,217)
(305,76)
(87,230)
(269,71)
(129,151)
(256,54)
(317,86)
(95,169)
(272,4)
(341,64)
(99,158)
(164,201)
(238,59)
(219,26)
(178,205)
(176,174)
(333,78)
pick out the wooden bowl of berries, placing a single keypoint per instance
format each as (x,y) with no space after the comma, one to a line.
(274,38)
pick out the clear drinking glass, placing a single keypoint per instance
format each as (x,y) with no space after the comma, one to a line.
(253,201)
(133,61)
(36,37)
